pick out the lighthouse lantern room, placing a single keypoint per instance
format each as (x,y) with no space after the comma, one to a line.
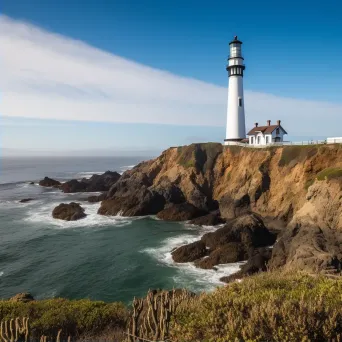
(236,129)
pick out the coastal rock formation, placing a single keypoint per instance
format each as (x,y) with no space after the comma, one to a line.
(49,182)
(94,184)
(273,183)
(69,212)
(180,212)
(258,260)
(23,297)
(190,252)
(139,203)
(232,243)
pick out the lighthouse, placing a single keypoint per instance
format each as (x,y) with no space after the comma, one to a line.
(236,129)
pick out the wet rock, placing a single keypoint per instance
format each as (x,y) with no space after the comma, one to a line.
(226,254)
(180,212)
(249,230)
(257,262)
(25,200)
(190,252)
(49,182)
(23,297)
(68,212)
(31,183)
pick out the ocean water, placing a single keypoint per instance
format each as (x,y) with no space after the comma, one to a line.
(101,258)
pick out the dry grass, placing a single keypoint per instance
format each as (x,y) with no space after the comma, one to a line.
(266,307)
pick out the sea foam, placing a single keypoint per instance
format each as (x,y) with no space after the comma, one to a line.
(188,275)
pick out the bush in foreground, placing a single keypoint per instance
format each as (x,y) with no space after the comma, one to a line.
(79,319)
(265,307)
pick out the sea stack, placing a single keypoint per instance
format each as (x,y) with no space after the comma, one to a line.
(236,129)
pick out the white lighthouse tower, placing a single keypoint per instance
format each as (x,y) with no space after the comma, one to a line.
(236,129)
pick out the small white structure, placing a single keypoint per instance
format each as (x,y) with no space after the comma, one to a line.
(336,140)
(236,128)
(266,135)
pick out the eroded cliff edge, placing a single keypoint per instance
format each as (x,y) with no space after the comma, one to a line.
(297,188)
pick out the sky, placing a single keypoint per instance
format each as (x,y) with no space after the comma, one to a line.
(130,75)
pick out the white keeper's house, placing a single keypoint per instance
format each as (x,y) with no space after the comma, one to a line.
(265,135)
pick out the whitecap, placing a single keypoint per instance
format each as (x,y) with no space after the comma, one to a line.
(188,274)
(1,274)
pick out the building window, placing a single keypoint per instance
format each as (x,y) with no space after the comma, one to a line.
(267,140)
(240,102)
(277,131)
(252,140)
(258,140)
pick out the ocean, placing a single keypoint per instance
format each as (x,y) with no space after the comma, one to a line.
(98,257)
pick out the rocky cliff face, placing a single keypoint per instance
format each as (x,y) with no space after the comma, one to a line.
(297,186)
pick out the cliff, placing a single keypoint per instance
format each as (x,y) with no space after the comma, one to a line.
(296,188)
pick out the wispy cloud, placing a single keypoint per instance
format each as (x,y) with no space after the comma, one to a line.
(48,76)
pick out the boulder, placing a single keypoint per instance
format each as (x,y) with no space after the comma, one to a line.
(257,262)
(249,230)
(74,186)
(49,182)
(31,183)
(23,297)
(190,252)
(201,200)
(180,212)
(211,219)
(226,254)
(69,212)
(141,203)
(25,200)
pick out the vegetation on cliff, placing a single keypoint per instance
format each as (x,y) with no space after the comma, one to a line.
(271,306)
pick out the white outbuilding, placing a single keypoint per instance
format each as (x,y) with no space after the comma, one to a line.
(266,135)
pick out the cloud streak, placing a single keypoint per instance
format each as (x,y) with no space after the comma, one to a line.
(48,76)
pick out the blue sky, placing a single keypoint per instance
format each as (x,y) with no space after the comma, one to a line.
(150,74)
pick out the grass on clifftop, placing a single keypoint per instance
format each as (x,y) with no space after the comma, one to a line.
(265,307)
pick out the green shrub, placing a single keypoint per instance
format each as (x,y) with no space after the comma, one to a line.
(265,307)
(75,317)
(329,173)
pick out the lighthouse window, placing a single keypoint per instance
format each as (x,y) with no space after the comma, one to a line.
(240,102)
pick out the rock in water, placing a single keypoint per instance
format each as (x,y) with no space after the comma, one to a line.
(190,252)
(180,212)
(25,200)
(93,184)
(49,182)
(68,212)
(23,297)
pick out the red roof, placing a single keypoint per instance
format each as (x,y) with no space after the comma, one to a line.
(265,129)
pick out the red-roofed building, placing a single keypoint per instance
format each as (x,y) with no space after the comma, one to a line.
(265,135)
